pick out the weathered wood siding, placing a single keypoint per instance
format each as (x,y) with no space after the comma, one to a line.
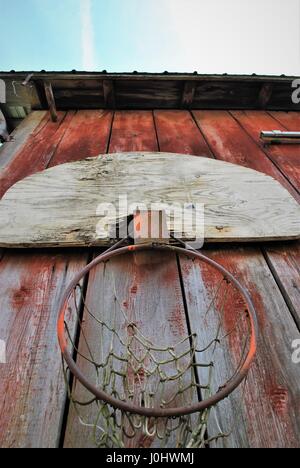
(32,395)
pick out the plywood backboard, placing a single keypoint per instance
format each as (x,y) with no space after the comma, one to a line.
(60,206)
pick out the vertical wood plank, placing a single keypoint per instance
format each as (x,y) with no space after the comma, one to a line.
(133,130)
(50,100)
(285,157)
(188,94)
(109,94)
(268,417)
(32,391)
(19,136)
(290,120)
(87,136)
(229,142)
(283,260)
(37,153)
(166,127)
(32,283)
(177,132)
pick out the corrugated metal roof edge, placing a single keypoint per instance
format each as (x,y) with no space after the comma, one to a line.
(146,75)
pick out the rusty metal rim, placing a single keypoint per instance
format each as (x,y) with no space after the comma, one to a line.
(156,412)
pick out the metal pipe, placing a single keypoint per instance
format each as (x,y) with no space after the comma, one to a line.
(278,136)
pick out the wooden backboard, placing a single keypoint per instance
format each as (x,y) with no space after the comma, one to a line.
(60,206)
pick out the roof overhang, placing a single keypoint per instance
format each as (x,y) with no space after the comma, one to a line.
(28,91)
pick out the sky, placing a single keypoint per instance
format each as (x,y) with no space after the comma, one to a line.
(208,36)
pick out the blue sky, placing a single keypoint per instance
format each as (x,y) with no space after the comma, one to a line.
(210,36)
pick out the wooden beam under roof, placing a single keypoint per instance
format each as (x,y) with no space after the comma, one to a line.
(188,94)
(109,94)
(133,91)
(265,95)
(50,100)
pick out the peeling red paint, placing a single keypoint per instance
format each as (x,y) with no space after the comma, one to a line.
(228,143)
(170,277)
(279,398)
(93,126)
(178,133)
(36,154)
(134,289)
(133,131)
(177,321)
(228,303)
(21,296)
(136,377)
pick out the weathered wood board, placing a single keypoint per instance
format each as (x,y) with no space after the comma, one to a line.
(33,392)
(270,398)
(177,132)
(240,204)
(284,262)
(229,141)
(32,389)
(285,157)
(31,416)
(29,126)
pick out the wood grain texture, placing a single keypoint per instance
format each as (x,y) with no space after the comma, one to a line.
(139,287)
(269,413)
(188,94)
(32,390)
(32,408)
(290,120)
(178,133)
(109,94)
(18,138)
(79,94)
(77,90)
(37,153)
(133,130)
(273,391)
(285,157)
(239,204)
(148,94)
(230,142)
(284,262)
(88,134)
(282,259)
(50,100)
(265,94)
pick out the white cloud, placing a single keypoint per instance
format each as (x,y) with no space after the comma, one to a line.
(235,36)
(87,36)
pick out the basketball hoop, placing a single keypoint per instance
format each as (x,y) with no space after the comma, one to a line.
(125,385)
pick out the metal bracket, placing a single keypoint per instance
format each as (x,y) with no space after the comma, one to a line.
(149,227)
